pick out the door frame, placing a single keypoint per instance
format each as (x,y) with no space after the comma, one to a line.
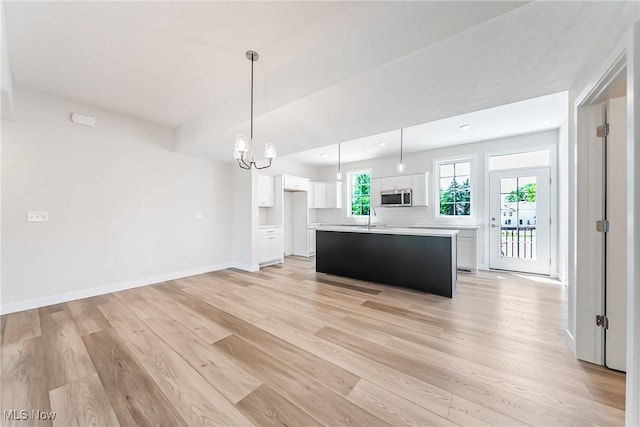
(588,338)
(553,200)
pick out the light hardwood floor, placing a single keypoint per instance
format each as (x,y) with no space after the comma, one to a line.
(287,346)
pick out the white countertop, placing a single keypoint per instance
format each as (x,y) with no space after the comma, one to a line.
(389,230)
(448,227)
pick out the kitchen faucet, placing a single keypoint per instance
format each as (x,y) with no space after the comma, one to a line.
(374,214)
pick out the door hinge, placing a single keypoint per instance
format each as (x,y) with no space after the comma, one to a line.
(602,226)
(602,130)
(602,321)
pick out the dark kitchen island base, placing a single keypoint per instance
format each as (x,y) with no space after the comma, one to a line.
(423,262)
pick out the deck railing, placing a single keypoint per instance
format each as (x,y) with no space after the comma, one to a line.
(518,241)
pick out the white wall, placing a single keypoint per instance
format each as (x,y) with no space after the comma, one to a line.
(423,161)
(6,74)
(121,204)
(592,69)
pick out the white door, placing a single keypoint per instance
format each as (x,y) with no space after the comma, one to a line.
(616,238)
(519,237)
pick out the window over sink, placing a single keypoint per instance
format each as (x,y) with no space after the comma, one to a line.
(359,193)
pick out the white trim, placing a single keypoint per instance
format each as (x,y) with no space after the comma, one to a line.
(571,341)
(115,287)
(245,267)
(632,42)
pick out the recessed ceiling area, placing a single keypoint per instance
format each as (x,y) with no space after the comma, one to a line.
(533,115)
(328,71)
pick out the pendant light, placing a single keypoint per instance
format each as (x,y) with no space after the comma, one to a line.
(244,152)
(401,165)
(339,173)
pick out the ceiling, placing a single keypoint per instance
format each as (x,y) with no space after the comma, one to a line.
(534,115)
(328,71)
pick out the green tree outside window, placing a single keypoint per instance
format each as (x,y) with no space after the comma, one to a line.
(455,189)
(526,193)
(360,193)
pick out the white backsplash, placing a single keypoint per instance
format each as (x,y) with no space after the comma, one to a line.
(389,216)
(263,217)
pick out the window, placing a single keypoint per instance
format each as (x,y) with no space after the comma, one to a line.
(455,188)
(520,160)
(360,192)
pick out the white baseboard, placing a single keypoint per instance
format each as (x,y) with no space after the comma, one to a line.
(246,267)
(571,341)
(92,292)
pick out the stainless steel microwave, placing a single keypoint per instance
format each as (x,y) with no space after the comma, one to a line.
(396,197)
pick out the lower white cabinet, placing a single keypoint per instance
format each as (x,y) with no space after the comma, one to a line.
(270,247)
(468,250)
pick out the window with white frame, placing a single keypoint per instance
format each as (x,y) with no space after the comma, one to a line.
(359,193)
(454,179)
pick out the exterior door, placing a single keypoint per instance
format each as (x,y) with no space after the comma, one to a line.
(520,220)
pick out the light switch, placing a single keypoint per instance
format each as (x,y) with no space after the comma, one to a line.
(37,216)
(199,215)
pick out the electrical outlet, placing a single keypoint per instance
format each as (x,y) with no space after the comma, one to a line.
(37,216)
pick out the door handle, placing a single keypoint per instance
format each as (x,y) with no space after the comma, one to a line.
(494,225)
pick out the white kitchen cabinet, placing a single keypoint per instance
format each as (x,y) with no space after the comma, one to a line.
(295,183)
(467,253)
(270,248)
(420,189)
(319,195)
(375,193)
(310,195)
(266,191)
(333,194)
(326,195)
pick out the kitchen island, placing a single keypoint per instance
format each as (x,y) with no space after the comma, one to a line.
(421,259)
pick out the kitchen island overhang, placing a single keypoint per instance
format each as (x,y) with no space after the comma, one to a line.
(420,259)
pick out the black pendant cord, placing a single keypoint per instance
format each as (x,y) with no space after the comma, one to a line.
(252,61)
(401,132)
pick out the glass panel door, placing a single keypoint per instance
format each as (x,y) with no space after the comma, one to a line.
(519,234)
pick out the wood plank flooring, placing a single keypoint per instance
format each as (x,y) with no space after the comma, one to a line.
(287,346)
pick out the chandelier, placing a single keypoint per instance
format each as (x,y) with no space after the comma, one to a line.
(244,150)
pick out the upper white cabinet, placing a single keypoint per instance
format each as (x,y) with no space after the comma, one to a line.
(325,195)
(266,191)
(418,183)
(295,183)
(375,189)
(420,189)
